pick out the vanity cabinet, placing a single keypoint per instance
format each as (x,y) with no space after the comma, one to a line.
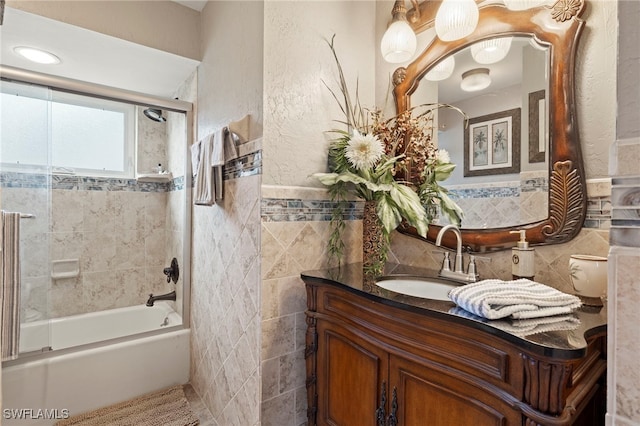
(370,362)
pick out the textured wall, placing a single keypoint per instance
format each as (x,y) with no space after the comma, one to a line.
(595,79)
(298,107)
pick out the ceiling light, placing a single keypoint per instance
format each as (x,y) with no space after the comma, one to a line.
(37,55)
(456,19)
(399,41)
(491,51)
(475,79)
(442,70)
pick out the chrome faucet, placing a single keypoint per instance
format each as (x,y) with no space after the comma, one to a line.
(168,296)
(458,273)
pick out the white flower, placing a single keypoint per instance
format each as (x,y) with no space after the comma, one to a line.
(443,156)
(364,151)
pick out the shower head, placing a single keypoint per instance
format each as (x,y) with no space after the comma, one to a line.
(154,114)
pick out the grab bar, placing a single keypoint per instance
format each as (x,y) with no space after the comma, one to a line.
(27,216)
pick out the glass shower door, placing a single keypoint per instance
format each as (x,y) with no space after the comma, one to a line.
(25,187)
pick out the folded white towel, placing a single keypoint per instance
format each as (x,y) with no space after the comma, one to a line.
(528,327)
(524,327)
(495,299)
(203,193)
(195,157)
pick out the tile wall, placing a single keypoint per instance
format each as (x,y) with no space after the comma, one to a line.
(115,228)
(225,303)
(122,232)
(295,231)
(623,390)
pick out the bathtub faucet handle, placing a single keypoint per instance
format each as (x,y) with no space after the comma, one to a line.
(172,272)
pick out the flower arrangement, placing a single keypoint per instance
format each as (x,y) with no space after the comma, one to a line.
(392,163)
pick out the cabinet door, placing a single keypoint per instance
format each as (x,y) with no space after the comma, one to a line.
(427,396)
(351,374)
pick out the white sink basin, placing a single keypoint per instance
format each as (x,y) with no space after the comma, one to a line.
(417,287)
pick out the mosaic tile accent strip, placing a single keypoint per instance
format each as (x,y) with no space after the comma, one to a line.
(625,206)
(176,184)
(598,213)
(296,210)
(492,192)
(87,183)
(247,165)
(534,184)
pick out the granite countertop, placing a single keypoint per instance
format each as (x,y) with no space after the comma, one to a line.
(564,344)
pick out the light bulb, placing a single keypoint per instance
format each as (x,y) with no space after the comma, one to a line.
(37,55)
(442,70)
(398,43)
(456,19)
(491,51)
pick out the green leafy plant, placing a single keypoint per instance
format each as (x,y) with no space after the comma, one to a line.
(393,162)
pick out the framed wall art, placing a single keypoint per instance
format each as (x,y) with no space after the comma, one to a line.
(492,144)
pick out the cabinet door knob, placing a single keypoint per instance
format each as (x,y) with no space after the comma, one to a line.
(393,418)
(380,411)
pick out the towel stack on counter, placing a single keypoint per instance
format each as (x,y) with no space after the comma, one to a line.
(208,157)
(518,299)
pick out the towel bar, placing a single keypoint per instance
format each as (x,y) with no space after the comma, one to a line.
(27,216)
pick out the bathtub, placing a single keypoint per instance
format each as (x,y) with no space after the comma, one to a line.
(92,365)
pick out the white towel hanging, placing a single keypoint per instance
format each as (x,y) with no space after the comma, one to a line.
(203,186)
(10,285)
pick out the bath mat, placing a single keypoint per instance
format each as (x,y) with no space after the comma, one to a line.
(168,407)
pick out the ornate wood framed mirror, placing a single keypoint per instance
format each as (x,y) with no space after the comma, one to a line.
(555,31)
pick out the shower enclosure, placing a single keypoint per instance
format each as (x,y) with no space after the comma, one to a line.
(105,193)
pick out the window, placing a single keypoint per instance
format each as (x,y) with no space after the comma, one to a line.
(68,132)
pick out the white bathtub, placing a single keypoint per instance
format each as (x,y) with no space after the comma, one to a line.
(74,381)
(75,330)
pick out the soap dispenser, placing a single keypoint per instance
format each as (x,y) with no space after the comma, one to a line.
(522,258)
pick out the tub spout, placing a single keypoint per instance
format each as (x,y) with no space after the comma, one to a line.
(168,296)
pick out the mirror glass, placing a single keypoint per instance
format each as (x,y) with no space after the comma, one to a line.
(521,146)
(501,177)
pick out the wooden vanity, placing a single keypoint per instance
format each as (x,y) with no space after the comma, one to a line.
(375,357)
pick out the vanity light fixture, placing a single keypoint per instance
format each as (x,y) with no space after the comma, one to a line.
(456,19)
(475,79)
(37,55)
(442,70)
(399,41)
(491,51)
(524,4)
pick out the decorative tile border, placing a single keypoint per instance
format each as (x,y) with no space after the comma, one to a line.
(490,192)
(598,213)
(85,183)
(247,165)
(534,184)
(297,210)
(625,206)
